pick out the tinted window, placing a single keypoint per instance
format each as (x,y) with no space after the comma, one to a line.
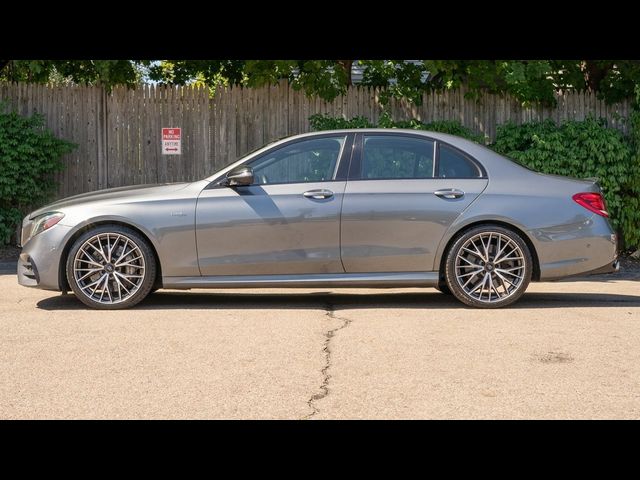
(306,161)
(453,164)
(385,156)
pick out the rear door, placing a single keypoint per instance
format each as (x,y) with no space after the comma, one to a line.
(402,194)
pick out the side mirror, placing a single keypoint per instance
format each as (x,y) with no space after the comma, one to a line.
(240,176)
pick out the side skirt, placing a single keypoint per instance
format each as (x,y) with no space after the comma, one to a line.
(335,280)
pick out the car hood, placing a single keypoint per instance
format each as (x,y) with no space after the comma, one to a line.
(118,194)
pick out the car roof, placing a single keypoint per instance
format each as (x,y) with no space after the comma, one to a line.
(427,133)
(469,146)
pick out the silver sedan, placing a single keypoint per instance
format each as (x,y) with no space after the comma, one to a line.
(344,208)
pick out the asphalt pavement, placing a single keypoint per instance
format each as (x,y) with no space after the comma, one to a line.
(566,350)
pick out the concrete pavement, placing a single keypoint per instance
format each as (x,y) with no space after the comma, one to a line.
(566,350)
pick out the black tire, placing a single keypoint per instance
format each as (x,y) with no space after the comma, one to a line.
(145,263)
(443,288)
(491,273)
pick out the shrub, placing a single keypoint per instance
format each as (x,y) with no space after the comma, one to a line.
(326,122)
(29,156)
(581,149)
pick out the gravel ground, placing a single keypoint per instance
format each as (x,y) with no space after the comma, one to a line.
(9,253)
(630,264)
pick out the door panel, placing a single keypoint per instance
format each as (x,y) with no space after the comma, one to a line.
(396,225)
(270,229)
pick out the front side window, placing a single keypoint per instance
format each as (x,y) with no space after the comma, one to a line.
(389,157)
(312,160)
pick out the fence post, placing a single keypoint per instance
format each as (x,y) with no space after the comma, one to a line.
(102,138)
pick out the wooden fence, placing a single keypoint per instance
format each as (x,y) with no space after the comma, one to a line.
(119,133)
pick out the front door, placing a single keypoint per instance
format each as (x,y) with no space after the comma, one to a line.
(288,222)
(403,193)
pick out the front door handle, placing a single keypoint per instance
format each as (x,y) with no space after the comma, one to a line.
(449,193)
(320,194)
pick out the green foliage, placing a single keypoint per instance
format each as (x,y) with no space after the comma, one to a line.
(397,78)
(29,156)
(324,78)
(582,150)
(633,183)
(527,80)
(530,81)
(452,127)
(536,81)
(91,72)
(208,72)
(326,122)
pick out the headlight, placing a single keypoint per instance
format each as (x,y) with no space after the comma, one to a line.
(42,223)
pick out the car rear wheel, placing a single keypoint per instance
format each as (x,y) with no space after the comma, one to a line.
(488,267)
(111,267)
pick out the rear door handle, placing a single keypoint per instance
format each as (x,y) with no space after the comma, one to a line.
(319,194)
(449,193)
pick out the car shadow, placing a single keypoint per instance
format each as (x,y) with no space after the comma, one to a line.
(343,301)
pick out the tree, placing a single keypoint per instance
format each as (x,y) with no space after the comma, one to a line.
(324,78)
(93,72)
(533,81)
(530,81)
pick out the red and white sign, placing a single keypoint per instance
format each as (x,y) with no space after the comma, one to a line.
(171,141)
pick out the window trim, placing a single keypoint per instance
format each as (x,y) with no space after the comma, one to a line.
(355,167)
(355,171)
(339,172)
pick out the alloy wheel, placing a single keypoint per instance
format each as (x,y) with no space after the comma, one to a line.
(490,267)
(109,268)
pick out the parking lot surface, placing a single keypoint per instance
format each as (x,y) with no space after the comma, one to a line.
(566,350)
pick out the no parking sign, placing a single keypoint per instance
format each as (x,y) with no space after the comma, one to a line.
(171,141)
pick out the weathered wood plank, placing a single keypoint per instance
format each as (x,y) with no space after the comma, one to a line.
(119,133)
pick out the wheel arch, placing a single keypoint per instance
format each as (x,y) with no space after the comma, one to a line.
(87,226)
(535,275)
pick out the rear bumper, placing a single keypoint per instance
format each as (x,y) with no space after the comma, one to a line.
(612,267)
(583,248)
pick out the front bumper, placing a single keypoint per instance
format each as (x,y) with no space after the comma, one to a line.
(39,262)
(28,271)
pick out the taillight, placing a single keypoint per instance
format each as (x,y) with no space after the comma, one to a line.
(592,201)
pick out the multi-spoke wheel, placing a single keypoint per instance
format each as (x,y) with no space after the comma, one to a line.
(111,267)
(488,266)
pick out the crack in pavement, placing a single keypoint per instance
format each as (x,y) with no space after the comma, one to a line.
(324,386)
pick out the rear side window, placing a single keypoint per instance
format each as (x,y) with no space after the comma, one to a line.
(388,157)
(453,164)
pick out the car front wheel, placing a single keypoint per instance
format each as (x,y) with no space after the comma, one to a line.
(111,267)
(488,267)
